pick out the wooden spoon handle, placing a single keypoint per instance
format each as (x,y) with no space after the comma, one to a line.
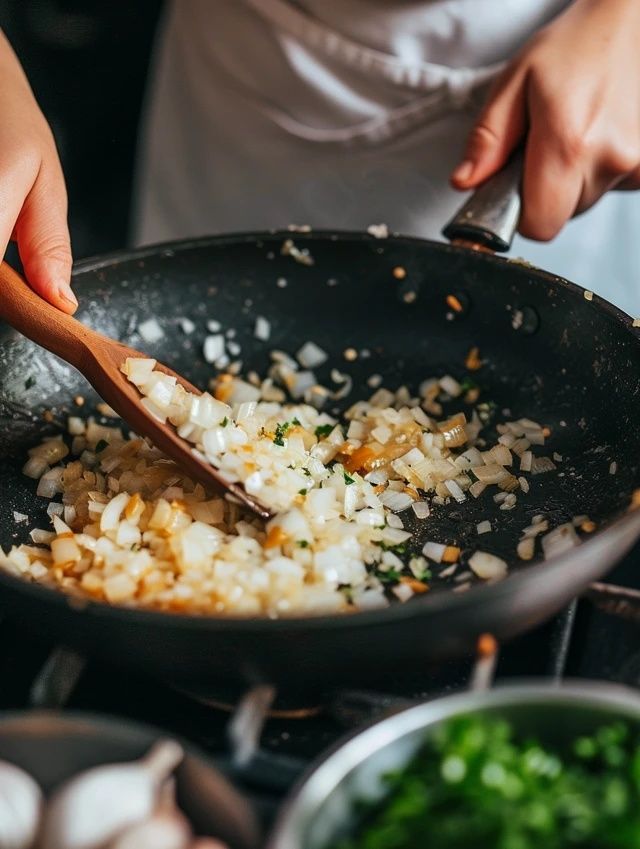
(41,322)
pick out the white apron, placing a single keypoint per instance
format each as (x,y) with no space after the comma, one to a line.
(341,114)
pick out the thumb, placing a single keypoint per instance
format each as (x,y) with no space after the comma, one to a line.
(42,235)
(499,128)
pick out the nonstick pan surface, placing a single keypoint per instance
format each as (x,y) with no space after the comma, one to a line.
(550,354)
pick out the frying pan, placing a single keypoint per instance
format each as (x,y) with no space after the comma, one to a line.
(550,354)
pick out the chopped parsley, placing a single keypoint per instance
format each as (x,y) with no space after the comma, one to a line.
(307,472)
(348,479)
(347,592)
(324,430)
(303,543)
(387,577)
(424,576)
(302,491)
(479,780)
(282,430)
(399,548)
(102,444)
(468,384)
(224,422)
(29,382)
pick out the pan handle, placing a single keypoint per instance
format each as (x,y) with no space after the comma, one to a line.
(489,218)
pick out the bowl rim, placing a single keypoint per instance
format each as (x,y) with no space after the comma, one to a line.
(351,751)
(35,721)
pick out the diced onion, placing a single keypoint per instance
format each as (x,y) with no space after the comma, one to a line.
(434,551)
(487,566)
(262,329)
(213,348)
(311,356)
(421,509)
(150,330)
(559,540)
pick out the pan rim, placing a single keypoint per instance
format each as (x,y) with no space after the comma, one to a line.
(418,607)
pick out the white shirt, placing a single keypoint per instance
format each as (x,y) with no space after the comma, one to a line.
(336,114)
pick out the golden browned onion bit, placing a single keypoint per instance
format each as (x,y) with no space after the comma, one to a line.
(399,272)
(473,361)
(78,400)
(453,303)
(350,354)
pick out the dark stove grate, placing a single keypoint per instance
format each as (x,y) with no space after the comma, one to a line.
(264,752)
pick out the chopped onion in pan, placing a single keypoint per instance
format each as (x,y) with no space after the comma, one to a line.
(131,528)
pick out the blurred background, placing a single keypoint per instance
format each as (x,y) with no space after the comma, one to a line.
(87,63)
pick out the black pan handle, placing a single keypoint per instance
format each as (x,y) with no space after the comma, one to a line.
(489,218)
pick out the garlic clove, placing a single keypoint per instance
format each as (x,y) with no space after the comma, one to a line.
(20,807)
(91,809)
(161,831)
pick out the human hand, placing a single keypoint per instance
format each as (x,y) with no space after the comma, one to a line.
(572,95)
(33,198)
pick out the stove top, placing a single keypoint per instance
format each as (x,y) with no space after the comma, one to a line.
(265,750)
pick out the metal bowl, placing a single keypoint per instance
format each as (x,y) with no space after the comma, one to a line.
(321,808)
(53,747)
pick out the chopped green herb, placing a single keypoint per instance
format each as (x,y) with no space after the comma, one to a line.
(347,592)
(136,546)
(388,577)
(476,781)
(29,382)
(348,479)
(224,422)
(282,430)
(324,430)
(295,422)
(424,576)
(307,472)
(399,548)
(468,384)
(302,491)
(303,543)
(102,444)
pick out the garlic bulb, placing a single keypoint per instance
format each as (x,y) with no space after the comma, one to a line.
(161,831)
(94,807)
(20,805)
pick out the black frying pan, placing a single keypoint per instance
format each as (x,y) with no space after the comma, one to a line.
(573,365)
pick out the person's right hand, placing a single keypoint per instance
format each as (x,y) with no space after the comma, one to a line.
(33,197)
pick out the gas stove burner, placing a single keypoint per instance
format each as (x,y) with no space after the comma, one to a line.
(226,698)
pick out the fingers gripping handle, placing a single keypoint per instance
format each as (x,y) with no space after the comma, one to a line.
(490,216)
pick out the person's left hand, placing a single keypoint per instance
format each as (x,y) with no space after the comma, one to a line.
(572,96)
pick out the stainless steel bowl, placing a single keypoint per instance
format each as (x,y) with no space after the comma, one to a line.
(52,747)
(320,808)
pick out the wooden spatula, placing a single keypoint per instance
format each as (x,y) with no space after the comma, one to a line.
(99,359)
